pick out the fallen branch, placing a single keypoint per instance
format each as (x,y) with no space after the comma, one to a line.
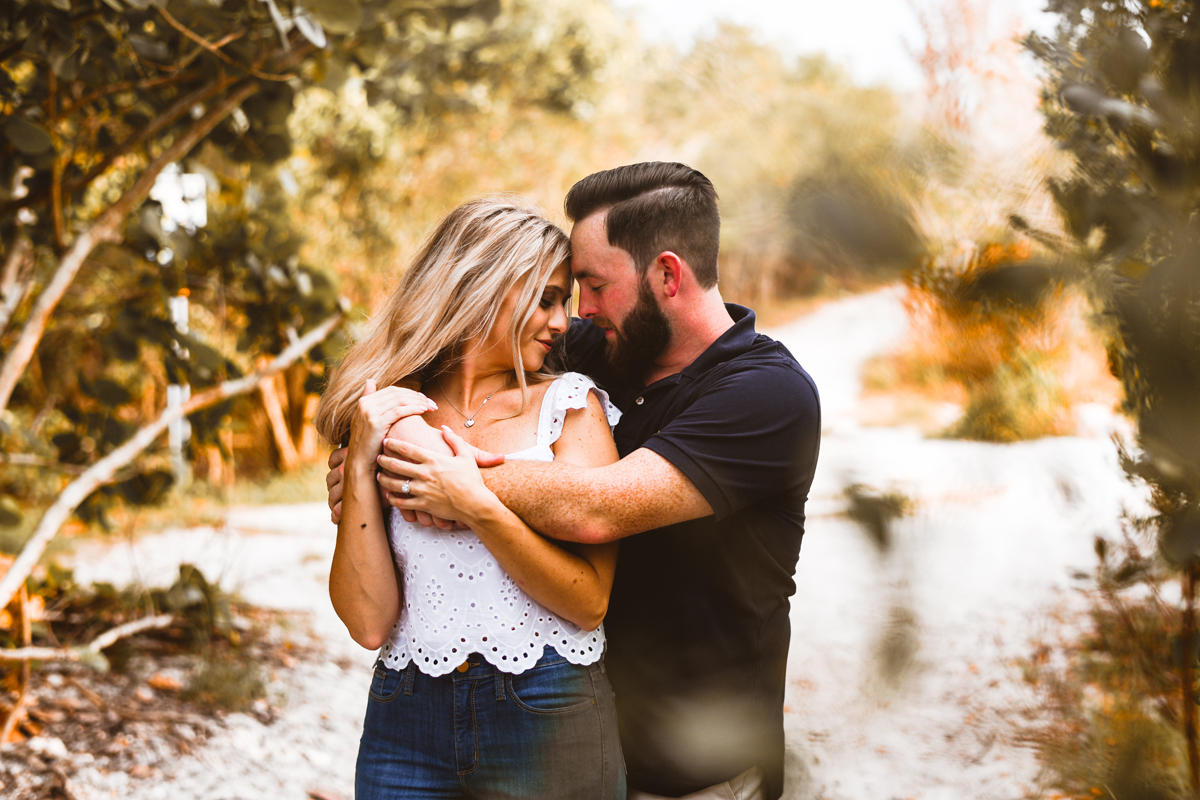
(105,229)
(30,460)
(105,470)
(92,648)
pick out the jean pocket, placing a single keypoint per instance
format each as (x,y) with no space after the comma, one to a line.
(385,684)
(558,687)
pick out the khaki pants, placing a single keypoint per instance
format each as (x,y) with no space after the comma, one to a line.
(747,786)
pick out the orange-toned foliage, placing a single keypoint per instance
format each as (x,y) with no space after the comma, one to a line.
(1020,367)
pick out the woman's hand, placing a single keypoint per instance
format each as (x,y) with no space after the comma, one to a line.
(446,486)
(374,413)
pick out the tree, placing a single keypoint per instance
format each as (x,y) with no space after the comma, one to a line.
(1122,100)
(802,157)
(99,98)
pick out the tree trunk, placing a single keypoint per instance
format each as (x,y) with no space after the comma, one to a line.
(289,459)
(294,378)
(1187,676)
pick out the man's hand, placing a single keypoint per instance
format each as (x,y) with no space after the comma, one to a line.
(389,482)
(375,409)
(397,461)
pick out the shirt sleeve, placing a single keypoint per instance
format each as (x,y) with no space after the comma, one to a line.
(754,434)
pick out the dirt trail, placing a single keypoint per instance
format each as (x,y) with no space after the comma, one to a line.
(982,567)
(973,575)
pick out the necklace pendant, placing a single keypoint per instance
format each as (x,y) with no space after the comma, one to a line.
(468,423)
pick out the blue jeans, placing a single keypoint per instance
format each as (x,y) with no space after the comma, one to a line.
(549,732)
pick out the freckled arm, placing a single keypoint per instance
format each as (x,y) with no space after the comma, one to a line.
(598,504)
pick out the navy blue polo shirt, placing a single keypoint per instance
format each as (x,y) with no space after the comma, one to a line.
(697,625)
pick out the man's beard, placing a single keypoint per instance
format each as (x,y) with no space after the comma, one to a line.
(644,335)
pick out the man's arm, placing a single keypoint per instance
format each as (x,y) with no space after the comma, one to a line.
(591,505)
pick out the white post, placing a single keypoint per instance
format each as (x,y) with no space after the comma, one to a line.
(183,200)
(180,430)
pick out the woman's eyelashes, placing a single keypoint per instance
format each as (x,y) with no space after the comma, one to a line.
(549,302)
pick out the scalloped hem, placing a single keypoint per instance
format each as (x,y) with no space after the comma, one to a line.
(513,667)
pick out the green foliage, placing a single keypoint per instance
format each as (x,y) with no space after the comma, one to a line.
(92,92)
(1122,101)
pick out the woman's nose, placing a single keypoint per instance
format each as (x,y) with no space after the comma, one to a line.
(559,321)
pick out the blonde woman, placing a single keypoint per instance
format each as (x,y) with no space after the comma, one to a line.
(490,681)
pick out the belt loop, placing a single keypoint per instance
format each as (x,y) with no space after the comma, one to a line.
(410,674)
(500,679)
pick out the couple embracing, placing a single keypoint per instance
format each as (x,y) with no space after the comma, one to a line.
(516,658)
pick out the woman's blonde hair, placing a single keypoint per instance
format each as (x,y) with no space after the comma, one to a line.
(451,293)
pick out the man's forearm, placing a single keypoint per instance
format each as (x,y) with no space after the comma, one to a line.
(557,500)
(598,504)
(591,505)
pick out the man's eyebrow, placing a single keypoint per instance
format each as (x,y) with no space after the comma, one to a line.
(581,274)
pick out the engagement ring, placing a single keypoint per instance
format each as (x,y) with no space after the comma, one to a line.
(404,487)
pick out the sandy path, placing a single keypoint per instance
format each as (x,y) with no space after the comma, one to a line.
(982,563)
(990,549)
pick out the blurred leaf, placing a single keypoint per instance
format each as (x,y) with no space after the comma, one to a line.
(10,512)
(1180,540)
(28,137)
(336,16)
(92,659)
(147,488)
(309,27)
(108,392)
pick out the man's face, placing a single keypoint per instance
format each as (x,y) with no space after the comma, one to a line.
(612,295)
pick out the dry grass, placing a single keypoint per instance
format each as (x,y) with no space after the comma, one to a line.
(1107,724)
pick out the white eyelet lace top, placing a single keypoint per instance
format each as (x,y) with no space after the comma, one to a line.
(458,600)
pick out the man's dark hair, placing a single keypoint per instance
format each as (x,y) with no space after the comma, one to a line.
(654,207)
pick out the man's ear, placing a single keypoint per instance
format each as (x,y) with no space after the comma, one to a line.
(670,267)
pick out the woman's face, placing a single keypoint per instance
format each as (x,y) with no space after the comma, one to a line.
(549,320)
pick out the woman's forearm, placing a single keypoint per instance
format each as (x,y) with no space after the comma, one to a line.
(363,584)
(567,583)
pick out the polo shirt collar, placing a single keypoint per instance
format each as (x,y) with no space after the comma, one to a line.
(735,341)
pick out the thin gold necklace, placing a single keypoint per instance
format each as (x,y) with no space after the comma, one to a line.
(469,421)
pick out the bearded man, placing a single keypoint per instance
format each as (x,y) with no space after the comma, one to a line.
(718,442)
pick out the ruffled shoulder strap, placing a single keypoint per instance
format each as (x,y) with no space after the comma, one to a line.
(567,392)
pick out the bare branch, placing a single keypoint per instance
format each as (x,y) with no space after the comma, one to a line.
(124,86)
(215,50)
(56,207)
(106,639)
(104,471)
(105,229)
